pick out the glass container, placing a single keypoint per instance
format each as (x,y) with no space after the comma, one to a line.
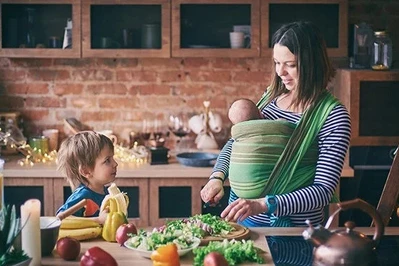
(382,51)
(30,36)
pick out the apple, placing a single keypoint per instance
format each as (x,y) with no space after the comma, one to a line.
(215,259)
(68,248)
(123,231)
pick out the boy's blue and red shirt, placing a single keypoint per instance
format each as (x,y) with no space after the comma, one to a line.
(94,200)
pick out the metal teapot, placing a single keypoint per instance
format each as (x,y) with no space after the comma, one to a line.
(345,246)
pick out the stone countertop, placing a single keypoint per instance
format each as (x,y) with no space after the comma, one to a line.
(171,170)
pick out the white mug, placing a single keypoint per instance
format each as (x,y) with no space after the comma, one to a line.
(237,40)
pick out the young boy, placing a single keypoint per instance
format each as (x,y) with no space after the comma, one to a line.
(243,110)
(87,161)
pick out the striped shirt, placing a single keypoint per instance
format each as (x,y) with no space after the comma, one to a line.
(307,202)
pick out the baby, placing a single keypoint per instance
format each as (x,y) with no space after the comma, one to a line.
(243,110)
(87,161)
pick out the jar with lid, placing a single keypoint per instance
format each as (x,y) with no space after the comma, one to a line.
(381,58)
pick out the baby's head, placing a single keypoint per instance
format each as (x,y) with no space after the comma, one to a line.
(243,110)
(81,151)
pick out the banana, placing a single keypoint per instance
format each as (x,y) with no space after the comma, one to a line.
(81,234)
(73,222)
(115,200)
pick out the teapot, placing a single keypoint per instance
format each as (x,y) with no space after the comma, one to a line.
(345,246)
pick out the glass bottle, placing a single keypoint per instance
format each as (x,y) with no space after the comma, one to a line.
(381,58)
(1,183)
(30,37)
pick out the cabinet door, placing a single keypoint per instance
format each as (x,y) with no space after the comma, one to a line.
(17,190)
(30,27)
(202,28)
(126,28)
(331,16)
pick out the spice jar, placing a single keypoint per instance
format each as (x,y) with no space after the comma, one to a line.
(381,58)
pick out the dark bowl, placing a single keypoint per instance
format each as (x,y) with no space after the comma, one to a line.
(49,234)
(197,159)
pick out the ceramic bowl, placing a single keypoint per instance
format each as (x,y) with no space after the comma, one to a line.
(49,229)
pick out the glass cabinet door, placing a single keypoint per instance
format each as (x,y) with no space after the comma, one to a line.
(226,28)
(126,28)
(40,28)
(331,17)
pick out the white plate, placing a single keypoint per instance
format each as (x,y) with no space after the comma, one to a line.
(147,253)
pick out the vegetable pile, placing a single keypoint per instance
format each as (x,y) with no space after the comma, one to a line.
(234,251)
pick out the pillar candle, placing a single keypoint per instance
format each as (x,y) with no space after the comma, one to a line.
(30,235)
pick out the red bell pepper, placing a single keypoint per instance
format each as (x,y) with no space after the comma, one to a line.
(96,256)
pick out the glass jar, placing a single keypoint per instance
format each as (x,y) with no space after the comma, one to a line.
(381,58)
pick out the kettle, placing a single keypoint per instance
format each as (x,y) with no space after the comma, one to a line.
(345,246)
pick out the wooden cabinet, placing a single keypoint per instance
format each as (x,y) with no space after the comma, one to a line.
(201,27)
(126,28)
(371,98)
(28,27)
(331,17)
(17,190)
(164,28)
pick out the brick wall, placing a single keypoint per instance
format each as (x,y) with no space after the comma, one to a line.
(119,93)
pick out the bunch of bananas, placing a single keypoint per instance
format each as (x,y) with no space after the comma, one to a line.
(79,228)
(115,200)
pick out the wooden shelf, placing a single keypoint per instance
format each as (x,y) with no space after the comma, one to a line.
(50,20)
(196,35)
(371,98)
(331,16)
(107,19)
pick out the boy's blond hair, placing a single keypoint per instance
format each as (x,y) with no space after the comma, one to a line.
(79,151)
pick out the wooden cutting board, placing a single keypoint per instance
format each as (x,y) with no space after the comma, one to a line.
(241,232)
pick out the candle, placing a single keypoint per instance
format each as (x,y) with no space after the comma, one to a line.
(30,235)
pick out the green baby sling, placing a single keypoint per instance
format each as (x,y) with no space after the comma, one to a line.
(271,157)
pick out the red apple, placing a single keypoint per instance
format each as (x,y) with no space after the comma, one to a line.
(68,248)
(123,231)
(215,259)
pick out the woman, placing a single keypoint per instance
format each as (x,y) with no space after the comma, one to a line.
(297,94)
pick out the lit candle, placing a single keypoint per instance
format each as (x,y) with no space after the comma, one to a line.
(30,235)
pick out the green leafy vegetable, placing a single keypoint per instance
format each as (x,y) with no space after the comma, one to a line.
(234,251)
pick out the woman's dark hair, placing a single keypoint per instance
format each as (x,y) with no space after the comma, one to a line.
(304,40)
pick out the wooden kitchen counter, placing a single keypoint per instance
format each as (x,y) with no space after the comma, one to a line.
(147,185)
(126,257)
(173,169)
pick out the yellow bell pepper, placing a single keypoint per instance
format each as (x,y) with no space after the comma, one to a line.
(166,256)
(112,223)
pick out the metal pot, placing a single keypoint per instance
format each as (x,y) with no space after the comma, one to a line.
(345,247)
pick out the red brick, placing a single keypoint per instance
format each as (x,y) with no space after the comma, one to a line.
(116,103)
(215,76)
(83,102)
(32,114)
(235,63)
(31,62)
(47,75)
(11,102)
(244,76)
(72,62)
(4,62)
(128,62)
(150,89)
(105,88)
(196,63)
(173,76)
(49,102)
(139,76)
(30,88)
(99,116)
(92,74)
(160,63)
(10,74)
(67,89)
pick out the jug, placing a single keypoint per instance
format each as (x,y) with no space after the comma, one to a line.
(345,246)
